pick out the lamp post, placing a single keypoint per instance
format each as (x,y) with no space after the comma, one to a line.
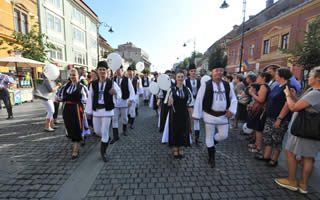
(194,47)
(110,31)
(225,5)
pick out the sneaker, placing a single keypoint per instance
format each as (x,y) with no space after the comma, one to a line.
(284,182)
(49,129)
(303,188)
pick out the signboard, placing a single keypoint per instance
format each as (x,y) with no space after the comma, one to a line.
(12,68)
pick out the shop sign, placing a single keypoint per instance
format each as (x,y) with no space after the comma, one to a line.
(12,68)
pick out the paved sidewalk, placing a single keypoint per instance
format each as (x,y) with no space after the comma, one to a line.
(37,165)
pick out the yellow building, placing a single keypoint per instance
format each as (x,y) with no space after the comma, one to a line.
(19,16)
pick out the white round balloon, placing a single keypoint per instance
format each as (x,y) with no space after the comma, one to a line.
(164,82)
(51,71)
(246,130)
(140,66)
(114,61)
(154,88)
(204,79)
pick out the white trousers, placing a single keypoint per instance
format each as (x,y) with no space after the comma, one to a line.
(132,109)
(211,135)
(101,126)
(196,125)
(50,108)
(124,116)
(146,93)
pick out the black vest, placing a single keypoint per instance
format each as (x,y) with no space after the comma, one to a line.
(74,96)
(143,82)
(134,84)
(208,95)
(188,84)
(124,87)
(108,99)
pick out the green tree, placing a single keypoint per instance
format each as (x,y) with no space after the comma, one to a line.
(306,53)
(106,53)
(218,58)
(34,45)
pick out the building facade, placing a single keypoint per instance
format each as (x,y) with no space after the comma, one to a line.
(277,27)
(104,47)
(130,53)
(73,28)
(17,16)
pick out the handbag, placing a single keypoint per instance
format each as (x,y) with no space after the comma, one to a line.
(306,125)
(244,100)
(41,92)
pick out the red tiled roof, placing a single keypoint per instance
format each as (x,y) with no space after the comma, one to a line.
(87,8)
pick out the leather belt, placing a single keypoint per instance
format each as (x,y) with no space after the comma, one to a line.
(100,106)
(216,113)
(72,102)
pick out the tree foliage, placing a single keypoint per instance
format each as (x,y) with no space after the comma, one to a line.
(106,53)
(218,58)
(33,45)
(306,53)
(187,61)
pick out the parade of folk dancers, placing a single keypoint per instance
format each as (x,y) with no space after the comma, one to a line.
(180,101)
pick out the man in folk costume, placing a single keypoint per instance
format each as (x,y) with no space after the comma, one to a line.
(145,84)
(128,97)
(194,85)
(215,103)
(103,96)
(136,86)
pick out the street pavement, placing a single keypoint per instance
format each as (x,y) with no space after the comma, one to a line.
(38,165)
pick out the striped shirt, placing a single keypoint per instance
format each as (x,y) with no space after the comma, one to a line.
(5,80)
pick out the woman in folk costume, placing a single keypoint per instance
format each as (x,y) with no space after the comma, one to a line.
(145,84)
(180,102)
(154,98)
(215,103)
(103,95)
(163,106)
(193,84)
(74,94)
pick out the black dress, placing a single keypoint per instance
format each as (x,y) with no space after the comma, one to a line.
(73,111)
(179,126)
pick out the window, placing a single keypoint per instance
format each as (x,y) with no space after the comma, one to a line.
(251,50)
(56,3)
(56,54)
(233,56)
(285,41)
(20,21)
(93,27)
(78,35)
(266,46)
(79,58)
(54,23)
(77,15)
(93,43)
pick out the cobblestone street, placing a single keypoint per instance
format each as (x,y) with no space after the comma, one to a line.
(38,165)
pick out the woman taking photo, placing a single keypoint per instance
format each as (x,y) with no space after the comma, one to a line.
(74,94)
(256,110)
(306,148)
(180,102)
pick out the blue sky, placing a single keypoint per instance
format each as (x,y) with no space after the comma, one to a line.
(160,27)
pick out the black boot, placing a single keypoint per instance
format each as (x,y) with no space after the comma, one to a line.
(213,157)
(197,135)
(209,155)
(137,112)
(115,135)
(124,129)
(131,120)
(103,149)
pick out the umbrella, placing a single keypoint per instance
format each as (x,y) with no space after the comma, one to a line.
(18,59)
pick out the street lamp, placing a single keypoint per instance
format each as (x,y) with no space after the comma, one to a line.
(225,5)
(110,31)
(194,47)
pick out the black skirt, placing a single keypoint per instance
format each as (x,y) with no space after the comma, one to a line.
(72,116)
(241,112)
(179,126)
(163,116)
